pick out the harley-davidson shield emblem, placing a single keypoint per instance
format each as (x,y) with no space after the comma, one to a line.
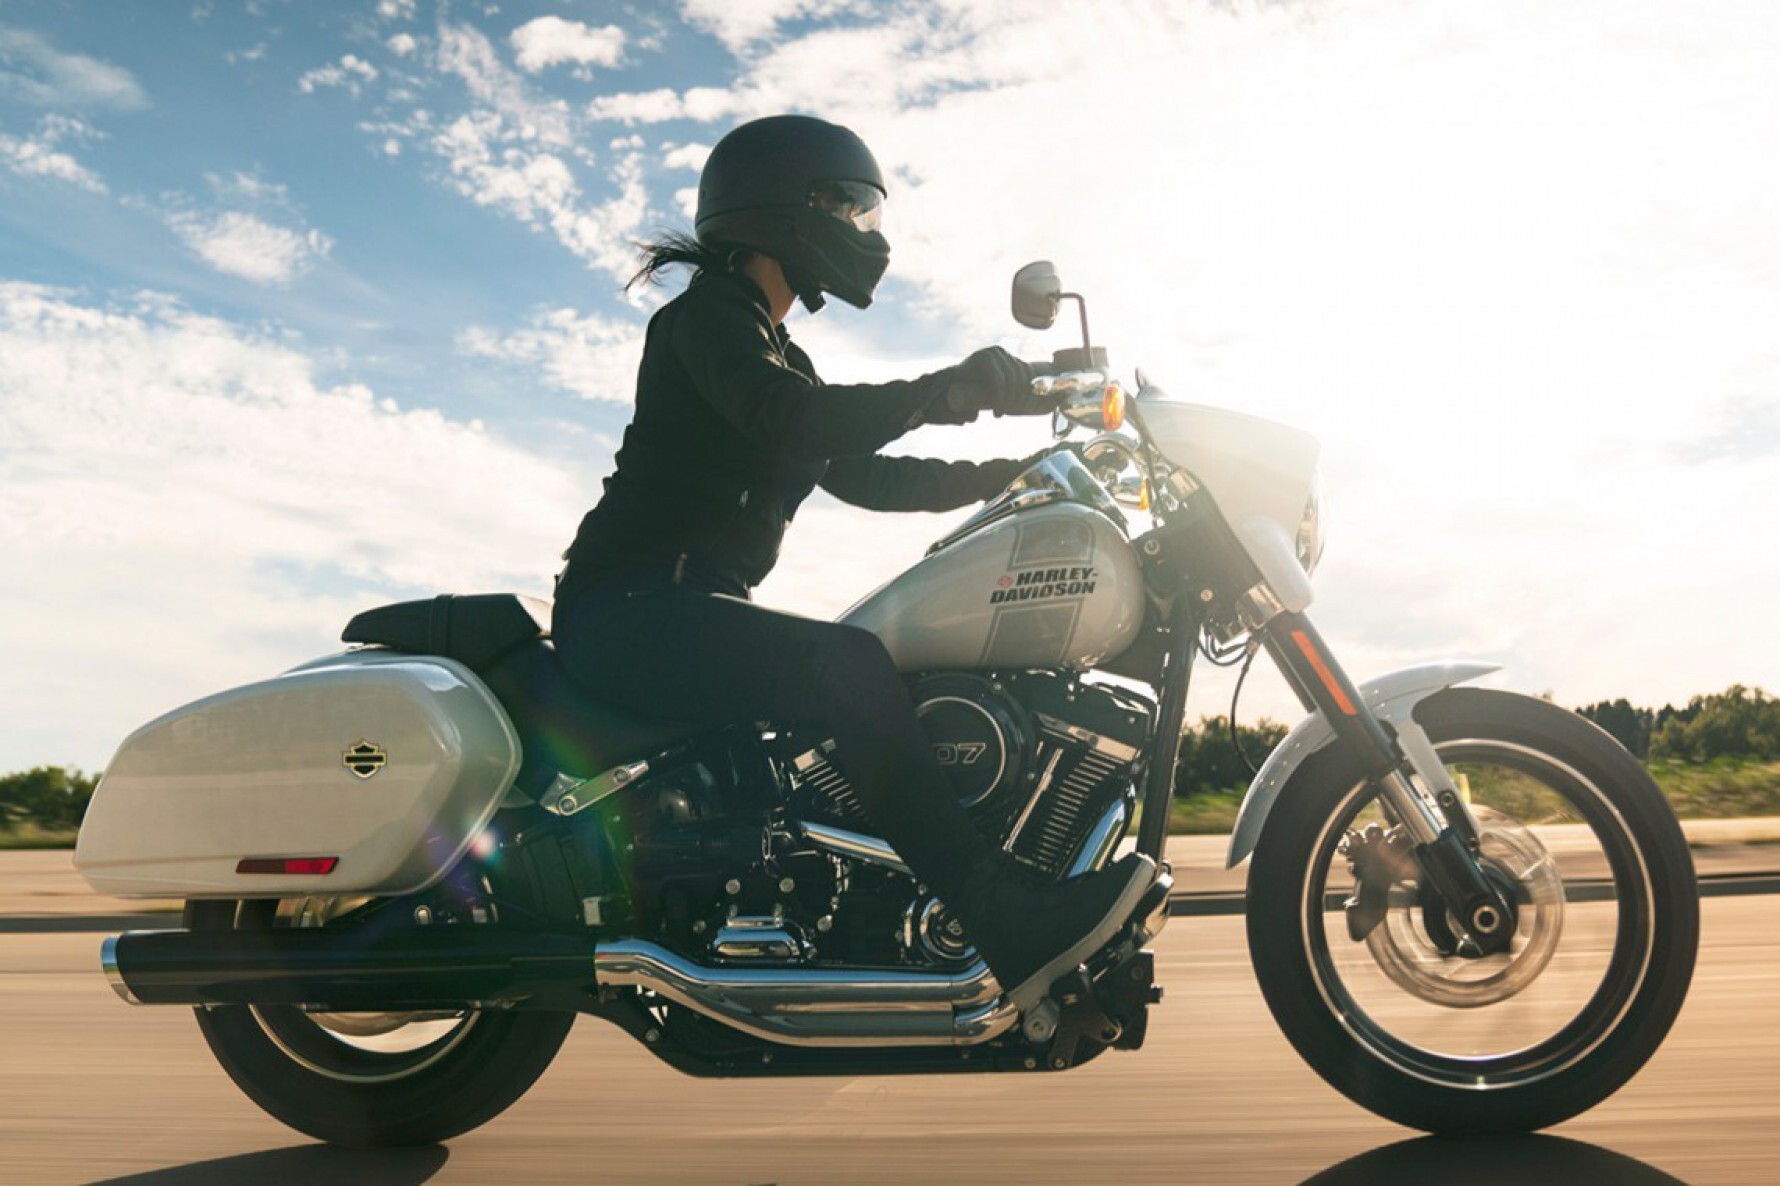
(364,759)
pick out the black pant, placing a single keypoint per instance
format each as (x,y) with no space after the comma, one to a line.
(682,654)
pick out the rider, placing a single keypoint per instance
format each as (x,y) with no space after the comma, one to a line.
(732,431)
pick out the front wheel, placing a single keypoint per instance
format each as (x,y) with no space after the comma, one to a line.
(1366,973)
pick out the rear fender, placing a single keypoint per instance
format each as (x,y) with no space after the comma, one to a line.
(1392,698)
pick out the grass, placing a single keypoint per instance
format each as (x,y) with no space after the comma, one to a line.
(25,836)
(1721,789)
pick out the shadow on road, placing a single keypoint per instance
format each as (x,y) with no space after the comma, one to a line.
(1525,1161)
(305,1164)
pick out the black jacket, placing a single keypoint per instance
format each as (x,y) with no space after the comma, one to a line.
(732,430)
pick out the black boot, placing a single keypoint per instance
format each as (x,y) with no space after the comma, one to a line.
(1032,933)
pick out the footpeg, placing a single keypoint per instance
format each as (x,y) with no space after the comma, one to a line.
(1126,993)
(1082,1028)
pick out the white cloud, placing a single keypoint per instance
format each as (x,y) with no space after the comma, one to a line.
(466,53)
(36,72)
(209,512)
(741,23)
(351,73)
(551,41)
(589,355)
(532,186)
(402,44)
(701,104)
(1514,264)
(242,245)
(40,155)
(396,10)
(685,156)
(518,154)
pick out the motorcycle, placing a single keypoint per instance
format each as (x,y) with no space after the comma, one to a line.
(408,867)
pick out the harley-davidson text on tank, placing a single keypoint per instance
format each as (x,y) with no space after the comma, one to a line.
(1042,583)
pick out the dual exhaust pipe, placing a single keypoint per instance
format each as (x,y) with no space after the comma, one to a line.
(343,970)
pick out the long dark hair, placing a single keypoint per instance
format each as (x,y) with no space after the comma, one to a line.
(670,248)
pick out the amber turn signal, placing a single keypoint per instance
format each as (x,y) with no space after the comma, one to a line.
(1112,407)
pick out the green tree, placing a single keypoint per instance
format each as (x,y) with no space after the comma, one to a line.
(51,797)
(1208,762)
(1630,726)
(1738,722)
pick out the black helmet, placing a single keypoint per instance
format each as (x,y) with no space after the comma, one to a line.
(806,192)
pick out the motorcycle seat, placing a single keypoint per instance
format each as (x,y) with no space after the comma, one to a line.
(504,638)
(475,629)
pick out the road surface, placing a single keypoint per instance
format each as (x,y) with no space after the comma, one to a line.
(92,1090)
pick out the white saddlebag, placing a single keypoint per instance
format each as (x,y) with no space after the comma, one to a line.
(367,773)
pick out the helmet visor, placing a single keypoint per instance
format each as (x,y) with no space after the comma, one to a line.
(852,202)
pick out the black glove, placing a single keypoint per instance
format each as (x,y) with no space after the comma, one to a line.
(990,380)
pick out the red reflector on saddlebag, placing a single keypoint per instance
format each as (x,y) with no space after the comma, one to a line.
(306,866)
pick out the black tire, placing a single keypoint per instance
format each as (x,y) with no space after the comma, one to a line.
(1607,1011)
(306,1072)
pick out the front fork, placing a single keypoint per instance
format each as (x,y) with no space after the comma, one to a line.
(1437,821)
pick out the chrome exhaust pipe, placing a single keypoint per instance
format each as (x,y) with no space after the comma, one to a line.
(819,1006)
(346,970)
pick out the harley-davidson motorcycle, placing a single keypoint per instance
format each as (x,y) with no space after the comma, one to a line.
(408,867)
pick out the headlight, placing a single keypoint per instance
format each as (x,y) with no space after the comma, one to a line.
(1310,528)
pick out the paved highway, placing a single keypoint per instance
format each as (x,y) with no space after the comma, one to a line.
(93,1090)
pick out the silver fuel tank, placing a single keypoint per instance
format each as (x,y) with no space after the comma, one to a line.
(1055,585)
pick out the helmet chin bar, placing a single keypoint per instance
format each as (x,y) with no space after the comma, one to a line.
(806,286)
(821,255)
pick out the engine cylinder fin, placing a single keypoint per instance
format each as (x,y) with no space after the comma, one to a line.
(1086,780)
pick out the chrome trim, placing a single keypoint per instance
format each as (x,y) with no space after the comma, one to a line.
(990,1021)
(1103,839)
(1038,792)
(853,845)
(108,961)
(450,1041)
(1118,751)
(759,937)
(567,794)
(1416,814)
(1055,477)
(920,933)
(1259,606)
(818,1006)
(1004,506)
(1154,922)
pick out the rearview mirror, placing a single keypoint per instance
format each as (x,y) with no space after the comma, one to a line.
(1037,292)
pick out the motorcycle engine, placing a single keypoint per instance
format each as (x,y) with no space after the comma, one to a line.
(1042,763)
(715,862)
(1037,759)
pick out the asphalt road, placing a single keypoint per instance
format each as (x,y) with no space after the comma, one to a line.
(93,1090)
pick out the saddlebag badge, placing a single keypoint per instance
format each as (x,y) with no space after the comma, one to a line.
(364,758)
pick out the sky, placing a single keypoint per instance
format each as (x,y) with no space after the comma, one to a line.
(305,308)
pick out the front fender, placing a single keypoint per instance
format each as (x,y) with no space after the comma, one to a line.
(1391,698)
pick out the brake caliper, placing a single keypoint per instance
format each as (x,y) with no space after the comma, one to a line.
(1378,860)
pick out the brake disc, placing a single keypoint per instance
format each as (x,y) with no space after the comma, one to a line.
(1407,943)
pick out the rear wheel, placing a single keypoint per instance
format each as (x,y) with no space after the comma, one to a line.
(365,1079)
(1360,964)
